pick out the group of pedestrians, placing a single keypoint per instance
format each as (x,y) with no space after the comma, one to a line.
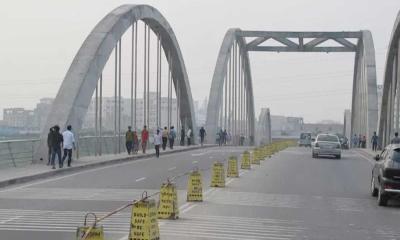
(361,141)
(57,141)
(161,139)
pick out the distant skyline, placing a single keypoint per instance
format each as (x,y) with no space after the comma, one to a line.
(39,41)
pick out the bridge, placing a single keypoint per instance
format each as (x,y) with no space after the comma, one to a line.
(285,195)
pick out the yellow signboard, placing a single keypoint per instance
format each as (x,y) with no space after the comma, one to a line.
(95,233)
(168,205)
(255,158)
(218,175)
(195,187)
(245,164)
(144,224)
(233,167)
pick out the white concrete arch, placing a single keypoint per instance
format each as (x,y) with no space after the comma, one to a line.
(219,77)
(77,88)
(364,112)
(389,121)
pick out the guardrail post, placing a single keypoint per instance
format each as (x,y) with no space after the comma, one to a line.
(11,154)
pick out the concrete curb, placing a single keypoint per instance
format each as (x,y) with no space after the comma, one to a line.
(24,179)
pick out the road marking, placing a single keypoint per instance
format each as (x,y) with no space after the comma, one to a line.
(199,154)
(369,160)
(189,208)
(140,179)
(172,168)
(194,162)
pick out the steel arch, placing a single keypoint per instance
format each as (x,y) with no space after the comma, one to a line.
(77,88)
(388,121)
(215,97)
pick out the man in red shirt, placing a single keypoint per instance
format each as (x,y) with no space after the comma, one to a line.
(145,138)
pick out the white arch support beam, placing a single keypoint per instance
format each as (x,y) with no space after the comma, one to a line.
(74,95)
(296,41)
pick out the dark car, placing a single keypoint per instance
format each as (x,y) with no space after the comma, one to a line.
(385,181)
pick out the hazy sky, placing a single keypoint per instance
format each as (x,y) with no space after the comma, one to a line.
(40,38)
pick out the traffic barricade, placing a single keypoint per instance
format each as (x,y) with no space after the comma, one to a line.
(232,170)
(245,164)
(218,175)
(144,223)
(195,187)
(93,232)
(168,204)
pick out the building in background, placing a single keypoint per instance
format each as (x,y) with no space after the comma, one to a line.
(326,126)
(18,118)
(108,113)
(286,126)
(41,113)
(263,127)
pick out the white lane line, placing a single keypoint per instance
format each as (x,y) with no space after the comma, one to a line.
(189,208)
(369,160)
(199,154)
(140,179)
(194,162)
(171,169)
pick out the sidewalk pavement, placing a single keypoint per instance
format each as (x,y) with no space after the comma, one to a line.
(32,172)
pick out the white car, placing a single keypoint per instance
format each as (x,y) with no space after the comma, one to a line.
(327,145)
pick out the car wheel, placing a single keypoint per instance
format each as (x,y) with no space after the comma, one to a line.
(382,197)
(314,155)
(338,156)
(374,190)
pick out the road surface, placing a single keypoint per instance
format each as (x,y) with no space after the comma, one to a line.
(290,196)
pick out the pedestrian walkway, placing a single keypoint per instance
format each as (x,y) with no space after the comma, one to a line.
(31,172)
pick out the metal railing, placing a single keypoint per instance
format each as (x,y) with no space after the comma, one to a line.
(19,153)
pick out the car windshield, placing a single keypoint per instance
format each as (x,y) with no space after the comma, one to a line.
(328,138)
(396,155)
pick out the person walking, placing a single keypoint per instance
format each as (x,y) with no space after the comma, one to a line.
(360,140)
(69,144)
(56,145)
(49,136)
(145,138)
(221,136)
(157,139)
(355,141)
(135,142)
(165,134)
(396,139)
(364,142)
(129,140)
(224,137)
(374,141)
(183,136)
(202,135)
(189,136)
(172,136)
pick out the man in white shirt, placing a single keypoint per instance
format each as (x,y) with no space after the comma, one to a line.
(157,140)
(69,144)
